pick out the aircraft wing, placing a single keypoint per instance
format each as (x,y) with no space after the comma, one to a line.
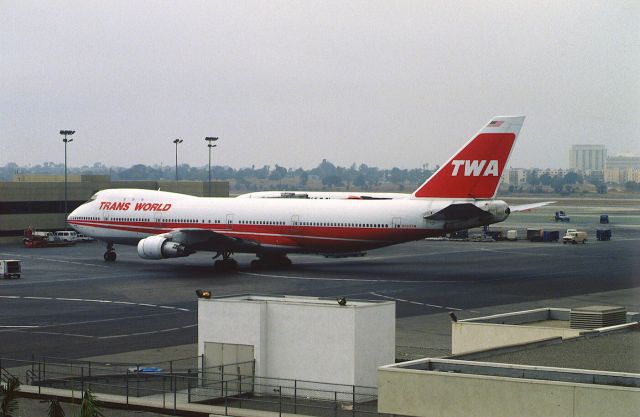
(527,207)
(209,240)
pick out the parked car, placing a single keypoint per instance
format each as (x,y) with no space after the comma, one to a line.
(84,238)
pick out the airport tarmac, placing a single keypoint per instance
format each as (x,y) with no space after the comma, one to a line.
(70,303)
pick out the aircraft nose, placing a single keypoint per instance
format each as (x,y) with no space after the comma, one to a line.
(75,214)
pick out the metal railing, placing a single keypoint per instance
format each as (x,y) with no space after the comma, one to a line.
(228,386)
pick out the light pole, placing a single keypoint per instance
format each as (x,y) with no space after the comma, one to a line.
(177,141)
(66,133)
(209,140)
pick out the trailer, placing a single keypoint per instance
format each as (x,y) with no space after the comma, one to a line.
(534,235)
(550,236)
(603,234)
(10,268)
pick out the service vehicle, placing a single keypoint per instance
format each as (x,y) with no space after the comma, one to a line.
(574,236)
(36,239)
(561,216)
(10,268)
(66,235)
(604,219)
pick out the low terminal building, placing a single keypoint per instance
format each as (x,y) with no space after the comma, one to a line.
(295,341)
(37,201)
(543,362)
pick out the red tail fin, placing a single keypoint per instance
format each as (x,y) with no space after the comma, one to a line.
(475,171)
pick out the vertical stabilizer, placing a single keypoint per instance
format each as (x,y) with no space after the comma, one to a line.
(475,170)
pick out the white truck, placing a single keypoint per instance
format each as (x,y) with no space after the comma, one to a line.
(10,268)
(574,236)
(66,235)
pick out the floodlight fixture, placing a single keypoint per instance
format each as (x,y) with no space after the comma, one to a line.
(203,293)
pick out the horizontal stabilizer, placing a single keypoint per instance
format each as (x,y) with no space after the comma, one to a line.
(527,207)
(458,212)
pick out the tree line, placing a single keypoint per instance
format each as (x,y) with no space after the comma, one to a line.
(326,174)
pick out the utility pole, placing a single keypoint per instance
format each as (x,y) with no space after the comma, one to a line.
(66,133)
(209,140)
(177,141)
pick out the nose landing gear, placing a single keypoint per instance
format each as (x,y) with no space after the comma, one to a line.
(110,254)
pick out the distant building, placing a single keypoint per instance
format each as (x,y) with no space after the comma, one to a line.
(623,162)
(517,176)
(587,157)
(622,168)
(621,175)
(554,172)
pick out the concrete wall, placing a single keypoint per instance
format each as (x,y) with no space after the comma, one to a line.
(427,393)
(303,338)
(215,325)
(469,337)
(507,329)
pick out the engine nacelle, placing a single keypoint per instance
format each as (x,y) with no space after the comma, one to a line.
(499,210)
(159,247)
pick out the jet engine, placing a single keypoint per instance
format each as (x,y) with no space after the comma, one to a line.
(160,247)
(498,209)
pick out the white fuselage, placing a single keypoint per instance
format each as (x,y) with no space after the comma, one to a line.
(283,225)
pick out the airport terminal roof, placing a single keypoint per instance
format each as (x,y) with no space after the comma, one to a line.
(616,351)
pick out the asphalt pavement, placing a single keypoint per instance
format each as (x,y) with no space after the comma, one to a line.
(70,303)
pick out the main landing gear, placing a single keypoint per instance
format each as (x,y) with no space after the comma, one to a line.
(270,261)
(110,254)
(227,263)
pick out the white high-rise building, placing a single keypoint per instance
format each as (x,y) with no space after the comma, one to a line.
(588,157)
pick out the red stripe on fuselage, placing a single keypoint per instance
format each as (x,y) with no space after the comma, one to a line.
(322,238)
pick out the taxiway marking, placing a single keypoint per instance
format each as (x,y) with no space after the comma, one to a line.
(415,302)
(351,279)
(54,260)
(86,300)
(117,336)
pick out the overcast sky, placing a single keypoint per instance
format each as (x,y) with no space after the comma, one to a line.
(386,83)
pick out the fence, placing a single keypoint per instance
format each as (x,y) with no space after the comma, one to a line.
(233,385)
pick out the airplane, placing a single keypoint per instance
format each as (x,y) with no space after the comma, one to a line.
(460,195)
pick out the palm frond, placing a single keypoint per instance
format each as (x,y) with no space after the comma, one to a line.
(89,406)
(9,404)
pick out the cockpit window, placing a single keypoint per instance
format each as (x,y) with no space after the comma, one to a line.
(93,197)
